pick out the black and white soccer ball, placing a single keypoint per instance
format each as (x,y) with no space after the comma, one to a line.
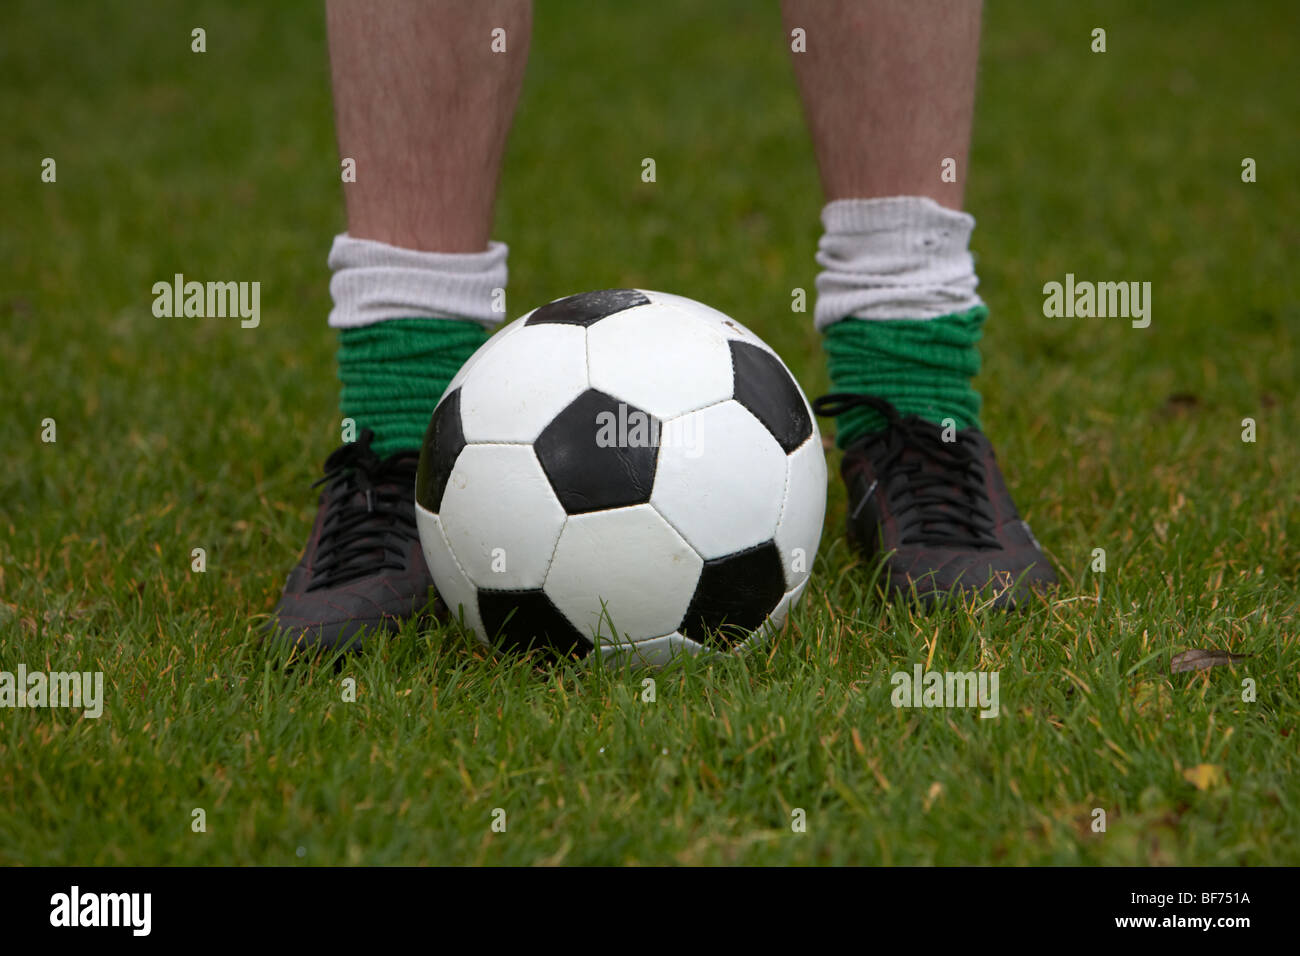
(626,472)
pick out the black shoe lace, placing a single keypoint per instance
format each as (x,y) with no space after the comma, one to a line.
(369,518)
(943,500)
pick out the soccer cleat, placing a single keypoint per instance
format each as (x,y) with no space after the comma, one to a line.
(939,512)
(363,568)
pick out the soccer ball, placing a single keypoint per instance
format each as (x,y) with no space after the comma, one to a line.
(626,472)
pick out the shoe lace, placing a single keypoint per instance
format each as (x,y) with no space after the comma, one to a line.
(943,497)
(369,518)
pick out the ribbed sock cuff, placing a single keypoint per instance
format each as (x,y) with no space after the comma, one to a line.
(898,257)
(375,282)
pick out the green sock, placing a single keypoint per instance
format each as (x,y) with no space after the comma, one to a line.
(923,367)
(394,372)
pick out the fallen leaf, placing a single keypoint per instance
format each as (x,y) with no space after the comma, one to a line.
(1198,659)
(1204,776)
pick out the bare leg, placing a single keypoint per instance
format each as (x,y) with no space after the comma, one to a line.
(889,89)
(424,106)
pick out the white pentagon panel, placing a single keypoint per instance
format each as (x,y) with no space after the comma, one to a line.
(727,326)
(489,488)
(800,529)
(458,592)
(482,350)
(720,480)
(660,359)
(633,561)
(655,652)
(521,381)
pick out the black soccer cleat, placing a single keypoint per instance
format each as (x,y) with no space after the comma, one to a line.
(363,568)
(939,512)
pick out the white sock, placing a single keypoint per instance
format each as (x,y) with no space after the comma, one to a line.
(374,282)
(901,257)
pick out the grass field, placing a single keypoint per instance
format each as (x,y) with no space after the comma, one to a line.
(174,434)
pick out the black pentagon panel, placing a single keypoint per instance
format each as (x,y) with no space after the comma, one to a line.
(765,388)
(443,441)
(599,453)
(735,594)
(527,620)
(586,308)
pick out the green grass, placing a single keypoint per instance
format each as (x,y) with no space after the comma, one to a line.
(176,434)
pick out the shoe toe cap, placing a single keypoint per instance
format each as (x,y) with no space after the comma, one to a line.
(340,617)
(1009,578)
